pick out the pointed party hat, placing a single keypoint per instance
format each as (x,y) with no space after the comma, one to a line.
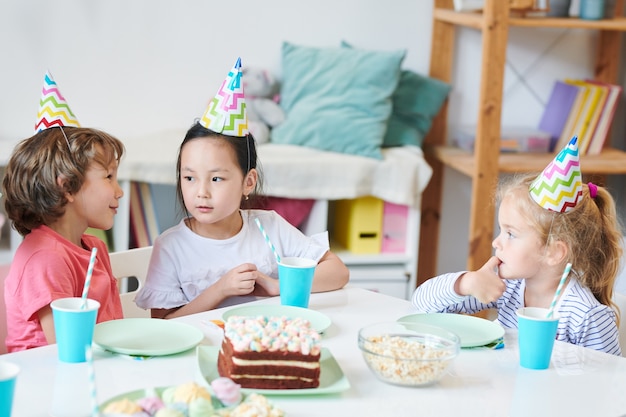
(53,109)
(226,113)
(559,187)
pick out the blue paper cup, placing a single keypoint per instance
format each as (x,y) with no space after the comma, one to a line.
(8,376)
(536,337)
(73,327)
(295,279)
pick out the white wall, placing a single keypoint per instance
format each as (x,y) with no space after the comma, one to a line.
(133,67)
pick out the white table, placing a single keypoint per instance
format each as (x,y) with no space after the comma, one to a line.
(580,382)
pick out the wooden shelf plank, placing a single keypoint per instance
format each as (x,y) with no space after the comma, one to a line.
(468,19)
(617,24)
(610,161)
(475,20)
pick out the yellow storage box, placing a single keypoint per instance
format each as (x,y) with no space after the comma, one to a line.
(359,224)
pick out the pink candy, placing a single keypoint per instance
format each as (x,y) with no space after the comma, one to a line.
(227,391)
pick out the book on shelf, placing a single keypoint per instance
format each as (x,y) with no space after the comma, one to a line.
(575,110)
(139,236)
(562,98)
(149,211)
(583,119)
(596,106)
(590,115)
(605,119)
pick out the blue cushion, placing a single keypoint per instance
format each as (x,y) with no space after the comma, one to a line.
(337,99)
(416,101)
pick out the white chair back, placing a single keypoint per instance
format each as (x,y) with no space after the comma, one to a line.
(126,264)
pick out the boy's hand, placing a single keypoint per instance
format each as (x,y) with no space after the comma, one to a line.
(484,284)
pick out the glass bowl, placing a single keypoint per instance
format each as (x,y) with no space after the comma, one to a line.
(408,354)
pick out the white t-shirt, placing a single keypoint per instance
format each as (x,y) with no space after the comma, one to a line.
(183,263)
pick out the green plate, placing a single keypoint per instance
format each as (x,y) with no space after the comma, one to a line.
(319,321)
(332,379)
(136,395)
(473,331)
(146,337)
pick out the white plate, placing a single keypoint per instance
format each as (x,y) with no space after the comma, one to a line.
(146,337)
(473,331)
(319,321)
(332,379)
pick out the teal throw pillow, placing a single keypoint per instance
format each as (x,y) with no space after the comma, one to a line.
(337,99)
(416,101)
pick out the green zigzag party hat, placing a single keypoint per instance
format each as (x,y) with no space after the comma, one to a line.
(559,187)
(226,113)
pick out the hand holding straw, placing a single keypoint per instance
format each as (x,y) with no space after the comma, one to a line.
(92,261)
(95,412)
(566,271)
(267,239)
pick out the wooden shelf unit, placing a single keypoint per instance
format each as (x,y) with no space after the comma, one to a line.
(486,162)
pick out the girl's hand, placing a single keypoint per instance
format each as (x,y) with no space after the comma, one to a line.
(266,285)
(485,284)
(239,280)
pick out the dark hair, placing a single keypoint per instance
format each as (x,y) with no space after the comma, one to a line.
(32,195)
(245,152)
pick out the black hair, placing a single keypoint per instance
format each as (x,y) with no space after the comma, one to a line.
(245,153)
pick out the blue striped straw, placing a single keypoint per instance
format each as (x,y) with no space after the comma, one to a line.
(267,239)
(95,412)
(566,271)
(92,261)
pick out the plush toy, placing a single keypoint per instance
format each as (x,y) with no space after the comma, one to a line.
(264,113)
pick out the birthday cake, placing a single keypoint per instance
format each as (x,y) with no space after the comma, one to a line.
(270,353)
(193,400)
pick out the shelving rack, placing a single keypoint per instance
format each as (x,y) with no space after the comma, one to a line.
(485,163)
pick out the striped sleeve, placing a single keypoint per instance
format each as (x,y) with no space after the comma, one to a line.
(586,322)
(437,295)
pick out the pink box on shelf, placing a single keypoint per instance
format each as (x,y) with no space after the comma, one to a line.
(395,219)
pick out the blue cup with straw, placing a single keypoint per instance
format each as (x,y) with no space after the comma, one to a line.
(295,280)
(74,323)
(537,329)
(75,320)
(536,336)
(295,275)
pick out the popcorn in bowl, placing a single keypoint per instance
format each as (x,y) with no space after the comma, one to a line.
(408,354)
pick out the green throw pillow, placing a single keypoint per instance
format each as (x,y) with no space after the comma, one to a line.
(337,99)
(416,101)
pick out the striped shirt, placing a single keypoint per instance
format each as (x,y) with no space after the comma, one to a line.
(583,320)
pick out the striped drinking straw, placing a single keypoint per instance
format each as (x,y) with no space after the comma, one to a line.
(566,272)
(92,261)
(267,239)
(95,412)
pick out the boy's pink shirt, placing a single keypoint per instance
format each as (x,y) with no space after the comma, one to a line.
(46,266)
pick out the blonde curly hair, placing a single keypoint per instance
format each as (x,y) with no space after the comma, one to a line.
(591,232)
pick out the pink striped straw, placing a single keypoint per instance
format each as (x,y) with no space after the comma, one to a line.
(92,262)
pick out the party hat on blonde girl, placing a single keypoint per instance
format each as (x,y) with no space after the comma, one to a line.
(559,187)
(53,109)
(226,113)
